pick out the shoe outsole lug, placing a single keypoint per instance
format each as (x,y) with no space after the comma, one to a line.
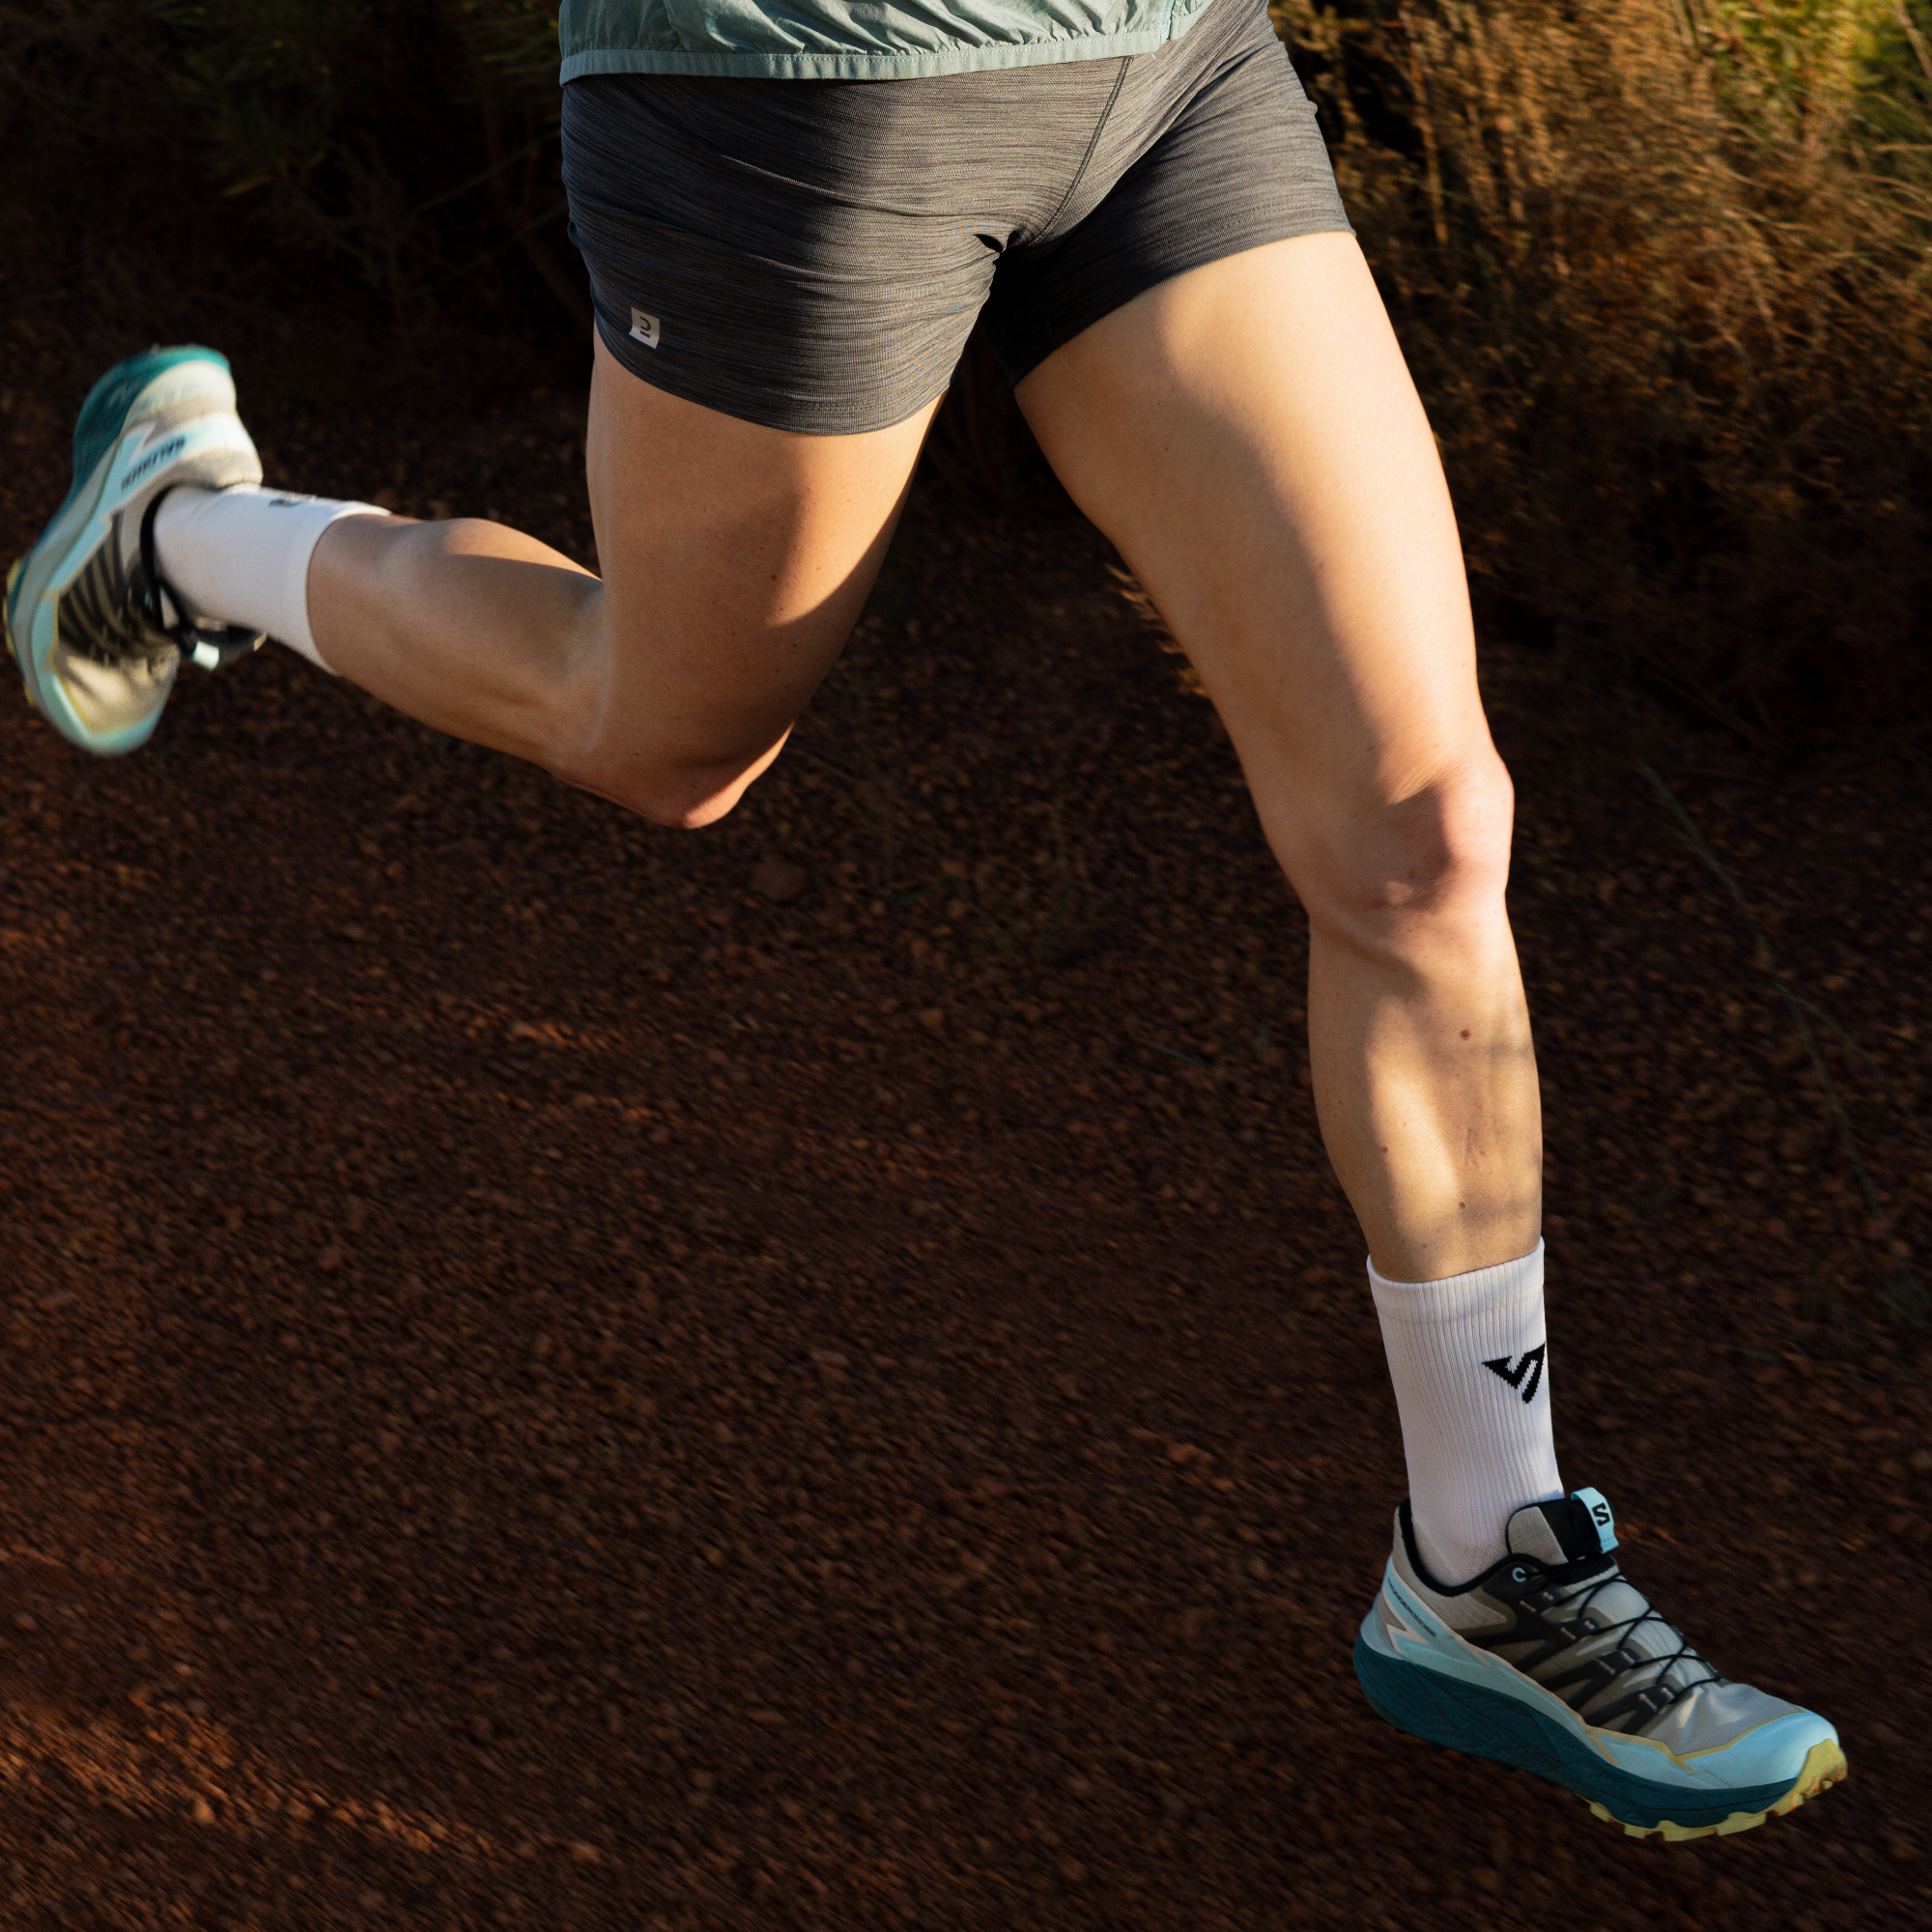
(1823,1767)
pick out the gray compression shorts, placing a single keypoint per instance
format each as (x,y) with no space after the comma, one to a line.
(812,254)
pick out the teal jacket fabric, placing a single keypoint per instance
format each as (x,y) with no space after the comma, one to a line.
(856,39)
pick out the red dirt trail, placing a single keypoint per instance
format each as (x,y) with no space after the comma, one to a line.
(564,1376)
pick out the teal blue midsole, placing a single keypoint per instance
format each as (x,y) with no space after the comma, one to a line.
(1443,1710)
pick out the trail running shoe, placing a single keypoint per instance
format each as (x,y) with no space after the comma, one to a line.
(97,632)
(1552,1662)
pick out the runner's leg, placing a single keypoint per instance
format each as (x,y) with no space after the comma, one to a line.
(736,559)
(1247,433)
(1249,437)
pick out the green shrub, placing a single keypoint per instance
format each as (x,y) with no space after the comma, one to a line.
(1664,276)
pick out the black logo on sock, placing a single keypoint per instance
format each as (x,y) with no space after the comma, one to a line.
(1531,1365)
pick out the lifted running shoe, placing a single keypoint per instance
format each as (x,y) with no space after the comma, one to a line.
(1551,1661)
(97,631)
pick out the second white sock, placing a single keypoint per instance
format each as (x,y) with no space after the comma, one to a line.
(242,555)
(1468,1359)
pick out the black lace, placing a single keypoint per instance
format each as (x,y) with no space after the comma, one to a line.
(119,615)
(1581,1684)
(114,614)
(148,592)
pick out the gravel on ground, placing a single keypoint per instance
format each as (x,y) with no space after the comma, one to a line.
(561,1375)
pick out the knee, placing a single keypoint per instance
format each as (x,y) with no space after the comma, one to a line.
(1437,857)
(678,793)
(688,801)
(682,761)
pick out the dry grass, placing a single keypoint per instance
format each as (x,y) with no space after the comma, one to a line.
(1664,279)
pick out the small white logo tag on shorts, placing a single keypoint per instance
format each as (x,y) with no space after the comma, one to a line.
(643,328)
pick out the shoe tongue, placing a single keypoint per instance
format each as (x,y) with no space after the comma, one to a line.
(1566,1530)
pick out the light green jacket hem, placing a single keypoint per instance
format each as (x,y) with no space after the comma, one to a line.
(856,40)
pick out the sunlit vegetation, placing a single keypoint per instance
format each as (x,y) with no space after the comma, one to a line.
(1663,269)
(1664,272)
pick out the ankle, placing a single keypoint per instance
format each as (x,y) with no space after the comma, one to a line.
(243,555)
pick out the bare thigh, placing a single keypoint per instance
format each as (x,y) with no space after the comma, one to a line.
(1248,435)
(735,559)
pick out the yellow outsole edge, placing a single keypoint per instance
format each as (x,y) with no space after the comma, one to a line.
(1823,1767)
(7,626)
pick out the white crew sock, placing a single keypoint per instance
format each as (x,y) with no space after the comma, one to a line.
(240,555)
(1472,1386)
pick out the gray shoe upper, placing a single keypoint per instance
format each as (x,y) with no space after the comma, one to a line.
(1560,1609)
(112,696)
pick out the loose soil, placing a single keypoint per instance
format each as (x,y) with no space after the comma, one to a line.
(559,1375)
